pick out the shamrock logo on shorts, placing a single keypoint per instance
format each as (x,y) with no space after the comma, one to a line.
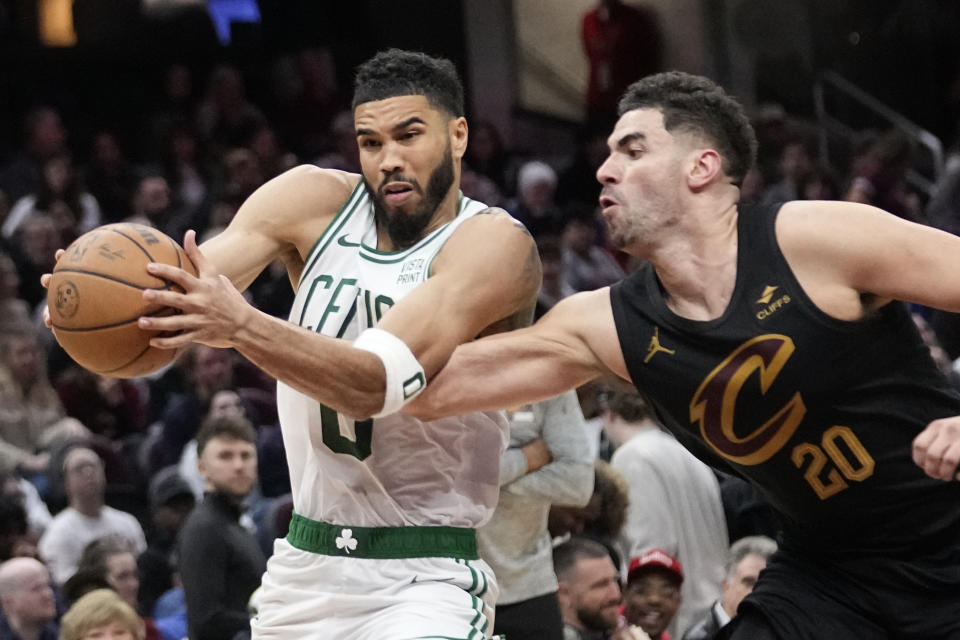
(346,541)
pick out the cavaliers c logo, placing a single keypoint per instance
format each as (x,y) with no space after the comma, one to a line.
(714,403)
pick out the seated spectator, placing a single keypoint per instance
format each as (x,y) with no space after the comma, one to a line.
(589,592)
(171,501)
(86,517)
(27,601)
(31,416)
(32,249)
(109,176)
(20,490)
(345,155)
(15,539)
(748,557)
(881,177)
(534,205)
(111,560)
(792,168)
(554,286)
(602,518)
(109,407)
(586,266)
(14,310)
(652,596)
(60,195)
(101,614)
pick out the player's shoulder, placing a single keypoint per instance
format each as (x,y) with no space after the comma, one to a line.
(809,224)
(495,223)
(329,184)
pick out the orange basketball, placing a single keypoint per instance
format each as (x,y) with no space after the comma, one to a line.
(95,297)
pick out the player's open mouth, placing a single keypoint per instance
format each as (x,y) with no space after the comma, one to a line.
(396,193)
(606,202)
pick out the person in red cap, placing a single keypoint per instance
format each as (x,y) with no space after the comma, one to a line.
(652,596)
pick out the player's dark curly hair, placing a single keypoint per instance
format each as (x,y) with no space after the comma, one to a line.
(395,72)
(697,105)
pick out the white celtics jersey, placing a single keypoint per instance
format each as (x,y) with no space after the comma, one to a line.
(396,470)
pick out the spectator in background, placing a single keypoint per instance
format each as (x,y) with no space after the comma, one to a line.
(152,205)
(174,109)
(186,173)
(242,172)
(623,43)
(652,596)
(59,195)
(306,117)
(111,559)
(171,501)
(578,181)
(487,155)
(208,370)
(602,518)
(226,117)
(345,154)
(14,311)
(110,407)
(33,248)
(220,561)
(27,601)
(589,592)
(747,558)
(31,416)
(793,166)
(102,614)
(881,178)
(45,137)
(585,265)
(15,538)
(675,503)
(86,517)
(109,176)
(272,158)
(554,286)
(547,461)
(24,494)
(820,183)
(534,205)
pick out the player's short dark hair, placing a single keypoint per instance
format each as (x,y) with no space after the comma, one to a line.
(226,427)
(395,72)
(566,555)
(697,105)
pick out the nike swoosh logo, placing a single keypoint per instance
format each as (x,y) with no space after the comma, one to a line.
(343,242)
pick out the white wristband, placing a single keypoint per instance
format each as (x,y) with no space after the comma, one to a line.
(405,376)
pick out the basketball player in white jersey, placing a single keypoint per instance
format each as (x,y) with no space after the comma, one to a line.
(393,269)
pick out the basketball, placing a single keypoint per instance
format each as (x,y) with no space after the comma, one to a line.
(95,297)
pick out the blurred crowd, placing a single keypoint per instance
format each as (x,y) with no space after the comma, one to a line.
(104,480)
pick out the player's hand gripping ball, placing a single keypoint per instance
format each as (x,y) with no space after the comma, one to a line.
(95,297)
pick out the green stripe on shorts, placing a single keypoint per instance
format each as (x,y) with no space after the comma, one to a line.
(382,543)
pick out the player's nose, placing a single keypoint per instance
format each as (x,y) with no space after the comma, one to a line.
(606,173)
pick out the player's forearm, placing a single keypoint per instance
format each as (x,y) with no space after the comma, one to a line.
(499,372)
(348,380)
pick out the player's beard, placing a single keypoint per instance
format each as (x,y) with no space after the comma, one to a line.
(405,229)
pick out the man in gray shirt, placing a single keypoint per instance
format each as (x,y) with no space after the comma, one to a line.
(548,461)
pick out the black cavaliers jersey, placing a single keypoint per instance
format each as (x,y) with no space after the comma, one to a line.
(819,413)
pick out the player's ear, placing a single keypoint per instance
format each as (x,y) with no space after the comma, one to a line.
(705,167)
(458,137)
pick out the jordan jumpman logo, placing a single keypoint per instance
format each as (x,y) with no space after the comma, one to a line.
(655,346)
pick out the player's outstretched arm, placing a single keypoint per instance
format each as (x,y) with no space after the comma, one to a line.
(487,271)
(572,344)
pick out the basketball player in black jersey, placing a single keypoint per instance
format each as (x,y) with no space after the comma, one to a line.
(770,340)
